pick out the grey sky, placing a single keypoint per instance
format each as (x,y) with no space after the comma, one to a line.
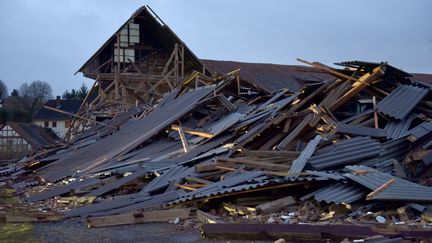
(50,39)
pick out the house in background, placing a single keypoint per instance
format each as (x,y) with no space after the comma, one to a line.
(20,139)
(58,122)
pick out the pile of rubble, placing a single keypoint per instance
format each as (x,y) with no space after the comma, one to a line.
(340,155)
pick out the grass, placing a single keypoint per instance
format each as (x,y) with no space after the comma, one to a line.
(14,232)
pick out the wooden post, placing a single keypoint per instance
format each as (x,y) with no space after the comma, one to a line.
(183,139)
(375,111)
(117,72)
(238,85)
(182,60)
(176,64)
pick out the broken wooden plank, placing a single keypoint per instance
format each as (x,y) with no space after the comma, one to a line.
(306,232)
(271,153)
(139,218)
(192,131)
(294,133)
(274,206)
(358,86)
(183,139)
(207,218)
(30,217)
(384,186)
(254,164)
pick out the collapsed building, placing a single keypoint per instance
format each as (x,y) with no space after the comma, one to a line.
(246,150)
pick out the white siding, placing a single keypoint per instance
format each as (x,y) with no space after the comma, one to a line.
(60,129)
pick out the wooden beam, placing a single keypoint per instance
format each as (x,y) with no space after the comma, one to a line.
(254,164)
(358,86)
(192,131)
(139,218)
(375,112)
(275,206)
(384,186)
(271,153)
(183,139)
(294,133)
(207,218)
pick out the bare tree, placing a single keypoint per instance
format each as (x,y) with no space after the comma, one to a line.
(3,90)
(36,94)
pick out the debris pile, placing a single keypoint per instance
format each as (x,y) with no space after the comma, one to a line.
(339,155)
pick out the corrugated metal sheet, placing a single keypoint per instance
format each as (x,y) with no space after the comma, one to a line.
(342,144)
(385,166)
(127,138)
(401,101)
(397,129)
(117,183)
(252,184)
(299,163)
(394,149)
(351,151)
(175,173)
(157,200)
(400,190)
(362,131)
(61,190)
(332,175)
(337,193)
(421,130)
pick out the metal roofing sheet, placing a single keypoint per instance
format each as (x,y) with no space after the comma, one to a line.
(401,189)
(350,152)
(331,175)
(397,129)
(150,202)
(299,163)
(362,131)
(117,183)
(60,190)
(421,130)
(337,193)
(175,173)
(386,166)
(252,184)
(393,149)
(127,138)
(401,101)
(105,205)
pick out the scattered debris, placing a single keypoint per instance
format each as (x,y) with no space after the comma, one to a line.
(247,161)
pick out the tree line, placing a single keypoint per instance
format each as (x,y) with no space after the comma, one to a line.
(23,103)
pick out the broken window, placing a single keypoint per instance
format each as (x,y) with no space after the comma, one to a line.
(129,36)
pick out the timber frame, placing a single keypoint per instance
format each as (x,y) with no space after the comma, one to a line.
(140,62)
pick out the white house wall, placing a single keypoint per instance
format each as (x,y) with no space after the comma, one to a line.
(60,129)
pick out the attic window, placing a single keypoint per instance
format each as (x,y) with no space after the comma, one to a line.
(129,36)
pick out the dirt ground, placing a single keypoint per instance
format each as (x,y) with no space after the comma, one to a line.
(76,231)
